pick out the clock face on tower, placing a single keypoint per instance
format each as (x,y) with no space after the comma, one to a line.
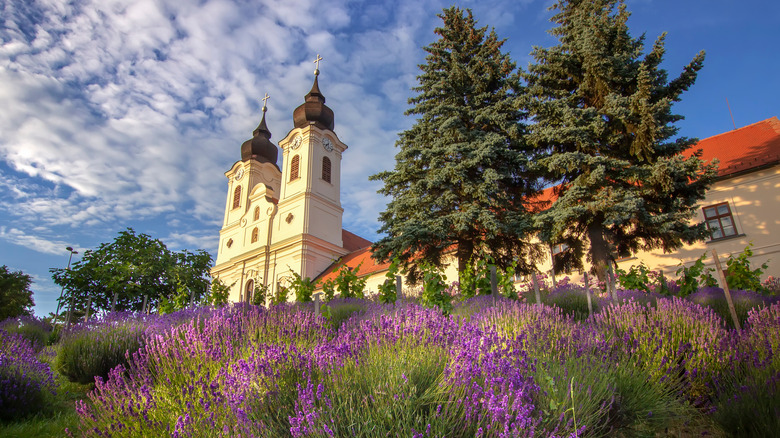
(296,143)
(327,144)
(240,174)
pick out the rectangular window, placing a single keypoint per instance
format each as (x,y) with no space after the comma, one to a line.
(559,248)
(719,221)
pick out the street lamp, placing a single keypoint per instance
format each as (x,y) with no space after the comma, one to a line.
(59,302)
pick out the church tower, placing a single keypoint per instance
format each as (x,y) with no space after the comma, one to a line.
(310,211)
(279,221)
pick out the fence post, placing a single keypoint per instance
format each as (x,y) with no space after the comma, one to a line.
(587,294)
(399,288)
(726,291)
(143,308)
(317,304)
(493,283)
(552,276)
(89,307)
(536,288)
(612,284)
(113,301)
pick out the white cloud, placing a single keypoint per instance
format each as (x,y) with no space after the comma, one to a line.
(34,242)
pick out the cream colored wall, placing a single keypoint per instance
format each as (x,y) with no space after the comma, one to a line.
(754,200)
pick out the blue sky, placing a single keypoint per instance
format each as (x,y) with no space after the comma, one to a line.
(127,113)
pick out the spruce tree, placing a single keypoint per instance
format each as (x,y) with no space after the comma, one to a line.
(459,179)
(605,129)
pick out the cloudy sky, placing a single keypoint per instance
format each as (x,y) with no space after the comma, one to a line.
(126,113)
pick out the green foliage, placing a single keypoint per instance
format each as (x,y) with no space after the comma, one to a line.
(281,295)
(693,277)
(636,278)
(605,137)
(475,278)
(134,266)
(15,294)
(329,290)
(460,176)
(85,354)
(302,288)
(219,293)
(347,283)
(259,294)
(387,290)
(740,275)
(434,287)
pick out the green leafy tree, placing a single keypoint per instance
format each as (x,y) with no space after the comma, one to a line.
(694,276)
(134,266)
(259,294)
(219,293)
(434,293)
(605,136)
(15,294)
(461,177)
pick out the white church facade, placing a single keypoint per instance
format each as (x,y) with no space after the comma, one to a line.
(279,221)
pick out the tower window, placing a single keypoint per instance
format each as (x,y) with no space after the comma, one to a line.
(326,169)
(254,235)
(294,166)
(257,213)
(237,197)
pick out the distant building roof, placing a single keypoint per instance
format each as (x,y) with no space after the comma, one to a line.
(353,242)
(744,149)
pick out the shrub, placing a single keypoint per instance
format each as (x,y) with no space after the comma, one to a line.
(740,275)
(86,353)
(25,381)
(33,329)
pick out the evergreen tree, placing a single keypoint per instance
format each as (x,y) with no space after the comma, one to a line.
(605,129)
(459,181)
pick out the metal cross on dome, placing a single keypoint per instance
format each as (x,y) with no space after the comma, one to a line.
(317,67)
(264,99)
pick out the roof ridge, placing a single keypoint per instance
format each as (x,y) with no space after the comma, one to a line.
(771,121)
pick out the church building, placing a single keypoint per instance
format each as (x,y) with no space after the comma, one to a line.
(280,221)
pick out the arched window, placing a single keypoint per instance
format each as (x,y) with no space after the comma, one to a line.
(294,165)
(257,213)
(237,197)
(326,169)
(250,287)
(254,235)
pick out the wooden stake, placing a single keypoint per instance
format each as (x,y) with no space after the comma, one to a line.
(493,283)
(536,288)
(726,291)
(587,294)
(399,287)
(317,304)
(89,307)
(113,301)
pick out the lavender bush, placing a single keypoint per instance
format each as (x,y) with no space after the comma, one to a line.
(25,381)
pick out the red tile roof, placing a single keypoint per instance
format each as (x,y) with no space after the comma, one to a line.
(744,149)
(750,147)
(361,257)
(353,242)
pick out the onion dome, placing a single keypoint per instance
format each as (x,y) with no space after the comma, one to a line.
(313,111)
(260,147)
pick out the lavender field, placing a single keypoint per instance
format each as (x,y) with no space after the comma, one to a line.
(492,368)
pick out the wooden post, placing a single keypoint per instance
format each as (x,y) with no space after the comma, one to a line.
(493,283)
(399,288)
(552,275)
(611,286)
(192,296)
(70,313)
(725,285)
(113,301)
(89,307)
(143,308)
(587,294)
(317,304)
(536,288)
